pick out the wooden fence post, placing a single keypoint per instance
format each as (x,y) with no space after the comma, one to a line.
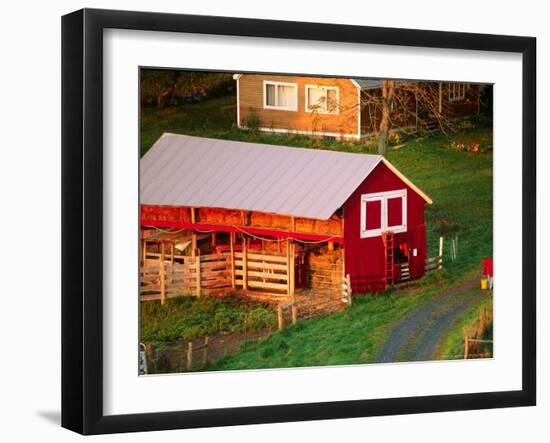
(348,283)
(162,278)
(143,252)
(280,317)
(198,266)
(440,255)
(205,352)
(189,355)
(232,247)
(292,270)
(294,314)
(466,346)
(245,266)
(288,290)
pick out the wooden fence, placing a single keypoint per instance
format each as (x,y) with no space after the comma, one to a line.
(194,276)
(255,270)
(315,302)
(433,264)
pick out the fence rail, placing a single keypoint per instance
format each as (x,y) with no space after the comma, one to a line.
(263,271)
(167,280)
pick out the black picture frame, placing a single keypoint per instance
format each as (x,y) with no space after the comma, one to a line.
(82,186)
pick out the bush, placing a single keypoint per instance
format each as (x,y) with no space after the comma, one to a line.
(252,120)
(189,317)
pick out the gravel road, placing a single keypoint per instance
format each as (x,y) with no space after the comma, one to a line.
(417,336)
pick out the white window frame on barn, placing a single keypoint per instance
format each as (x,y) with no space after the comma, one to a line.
(383,198)
(322,108)
(277,85)
(457,91)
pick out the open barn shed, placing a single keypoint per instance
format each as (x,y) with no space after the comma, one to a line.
(274,221)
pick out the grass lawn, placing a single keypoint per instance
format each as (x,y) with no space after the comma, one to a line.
(452,346)
(460,184)
(352,336)
(189,317)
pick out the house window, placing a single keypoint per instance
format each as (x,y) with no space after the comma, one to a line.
(322,99)
(383,212)
(283,96)
(457,91)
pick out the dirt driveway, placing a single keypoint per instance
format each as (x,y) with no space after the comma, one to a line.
(417,336)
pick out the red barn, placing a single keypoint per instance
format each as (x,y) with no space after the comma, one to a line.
(276,219)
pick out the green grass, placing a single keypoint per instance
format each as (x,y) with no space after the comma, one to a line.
(452,346)
(189,317)
(215,118)
(353,336)
(460,184)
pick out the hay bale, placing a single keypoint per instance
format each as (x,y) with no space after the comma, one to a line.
(232,217)
(280,222)
(330,226)
(261,219)
(184,215)
(305,225)
(211,215)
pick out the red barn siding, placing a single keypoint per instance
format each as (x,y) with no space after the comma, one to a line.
(365,257)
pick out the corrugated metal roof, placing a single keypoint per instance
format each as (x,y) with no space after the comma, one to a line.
(180,170)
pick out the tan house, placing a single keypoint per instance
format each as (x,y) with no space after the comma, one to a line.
(336,107)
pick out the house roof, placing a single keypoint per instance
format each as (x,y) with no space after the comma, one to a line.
(363,83)
(371,83)
(181,170)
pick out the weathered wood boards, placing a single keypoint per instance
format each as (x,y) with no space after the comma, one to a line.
(262,271)
(165,280)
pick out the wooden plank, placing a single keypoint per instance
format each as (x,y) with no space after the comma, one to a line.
(288,283)
(440,251)
(261,265)
(266,285)
(244,256)
(294,311)
(232,251)
(266,275)
(292,268)
(189,364)
(262,257)
(198,277)
(280,317)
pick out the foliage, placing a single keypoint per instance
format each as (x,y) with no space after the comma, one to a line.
(252,121)
(162,88)
(189,317)
(395,138)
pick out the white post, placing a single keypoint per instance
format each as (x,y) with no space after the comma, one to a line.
(440,255)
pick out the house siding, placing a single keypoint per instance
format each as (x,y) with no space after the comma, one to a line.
(251,103)
(365,257)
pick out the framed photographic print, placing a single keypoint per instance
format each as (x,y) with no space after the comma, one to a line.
(271,221)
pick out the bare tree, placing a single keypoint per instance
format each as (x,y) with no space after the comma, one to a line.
(403,104)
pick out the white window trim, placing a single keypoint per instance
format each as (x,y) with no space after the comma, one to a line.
(280,108)
(459,91)
(326,88)
(383,198)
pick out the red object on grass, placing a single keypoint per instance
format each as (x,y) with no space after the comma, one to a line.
(488,266)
